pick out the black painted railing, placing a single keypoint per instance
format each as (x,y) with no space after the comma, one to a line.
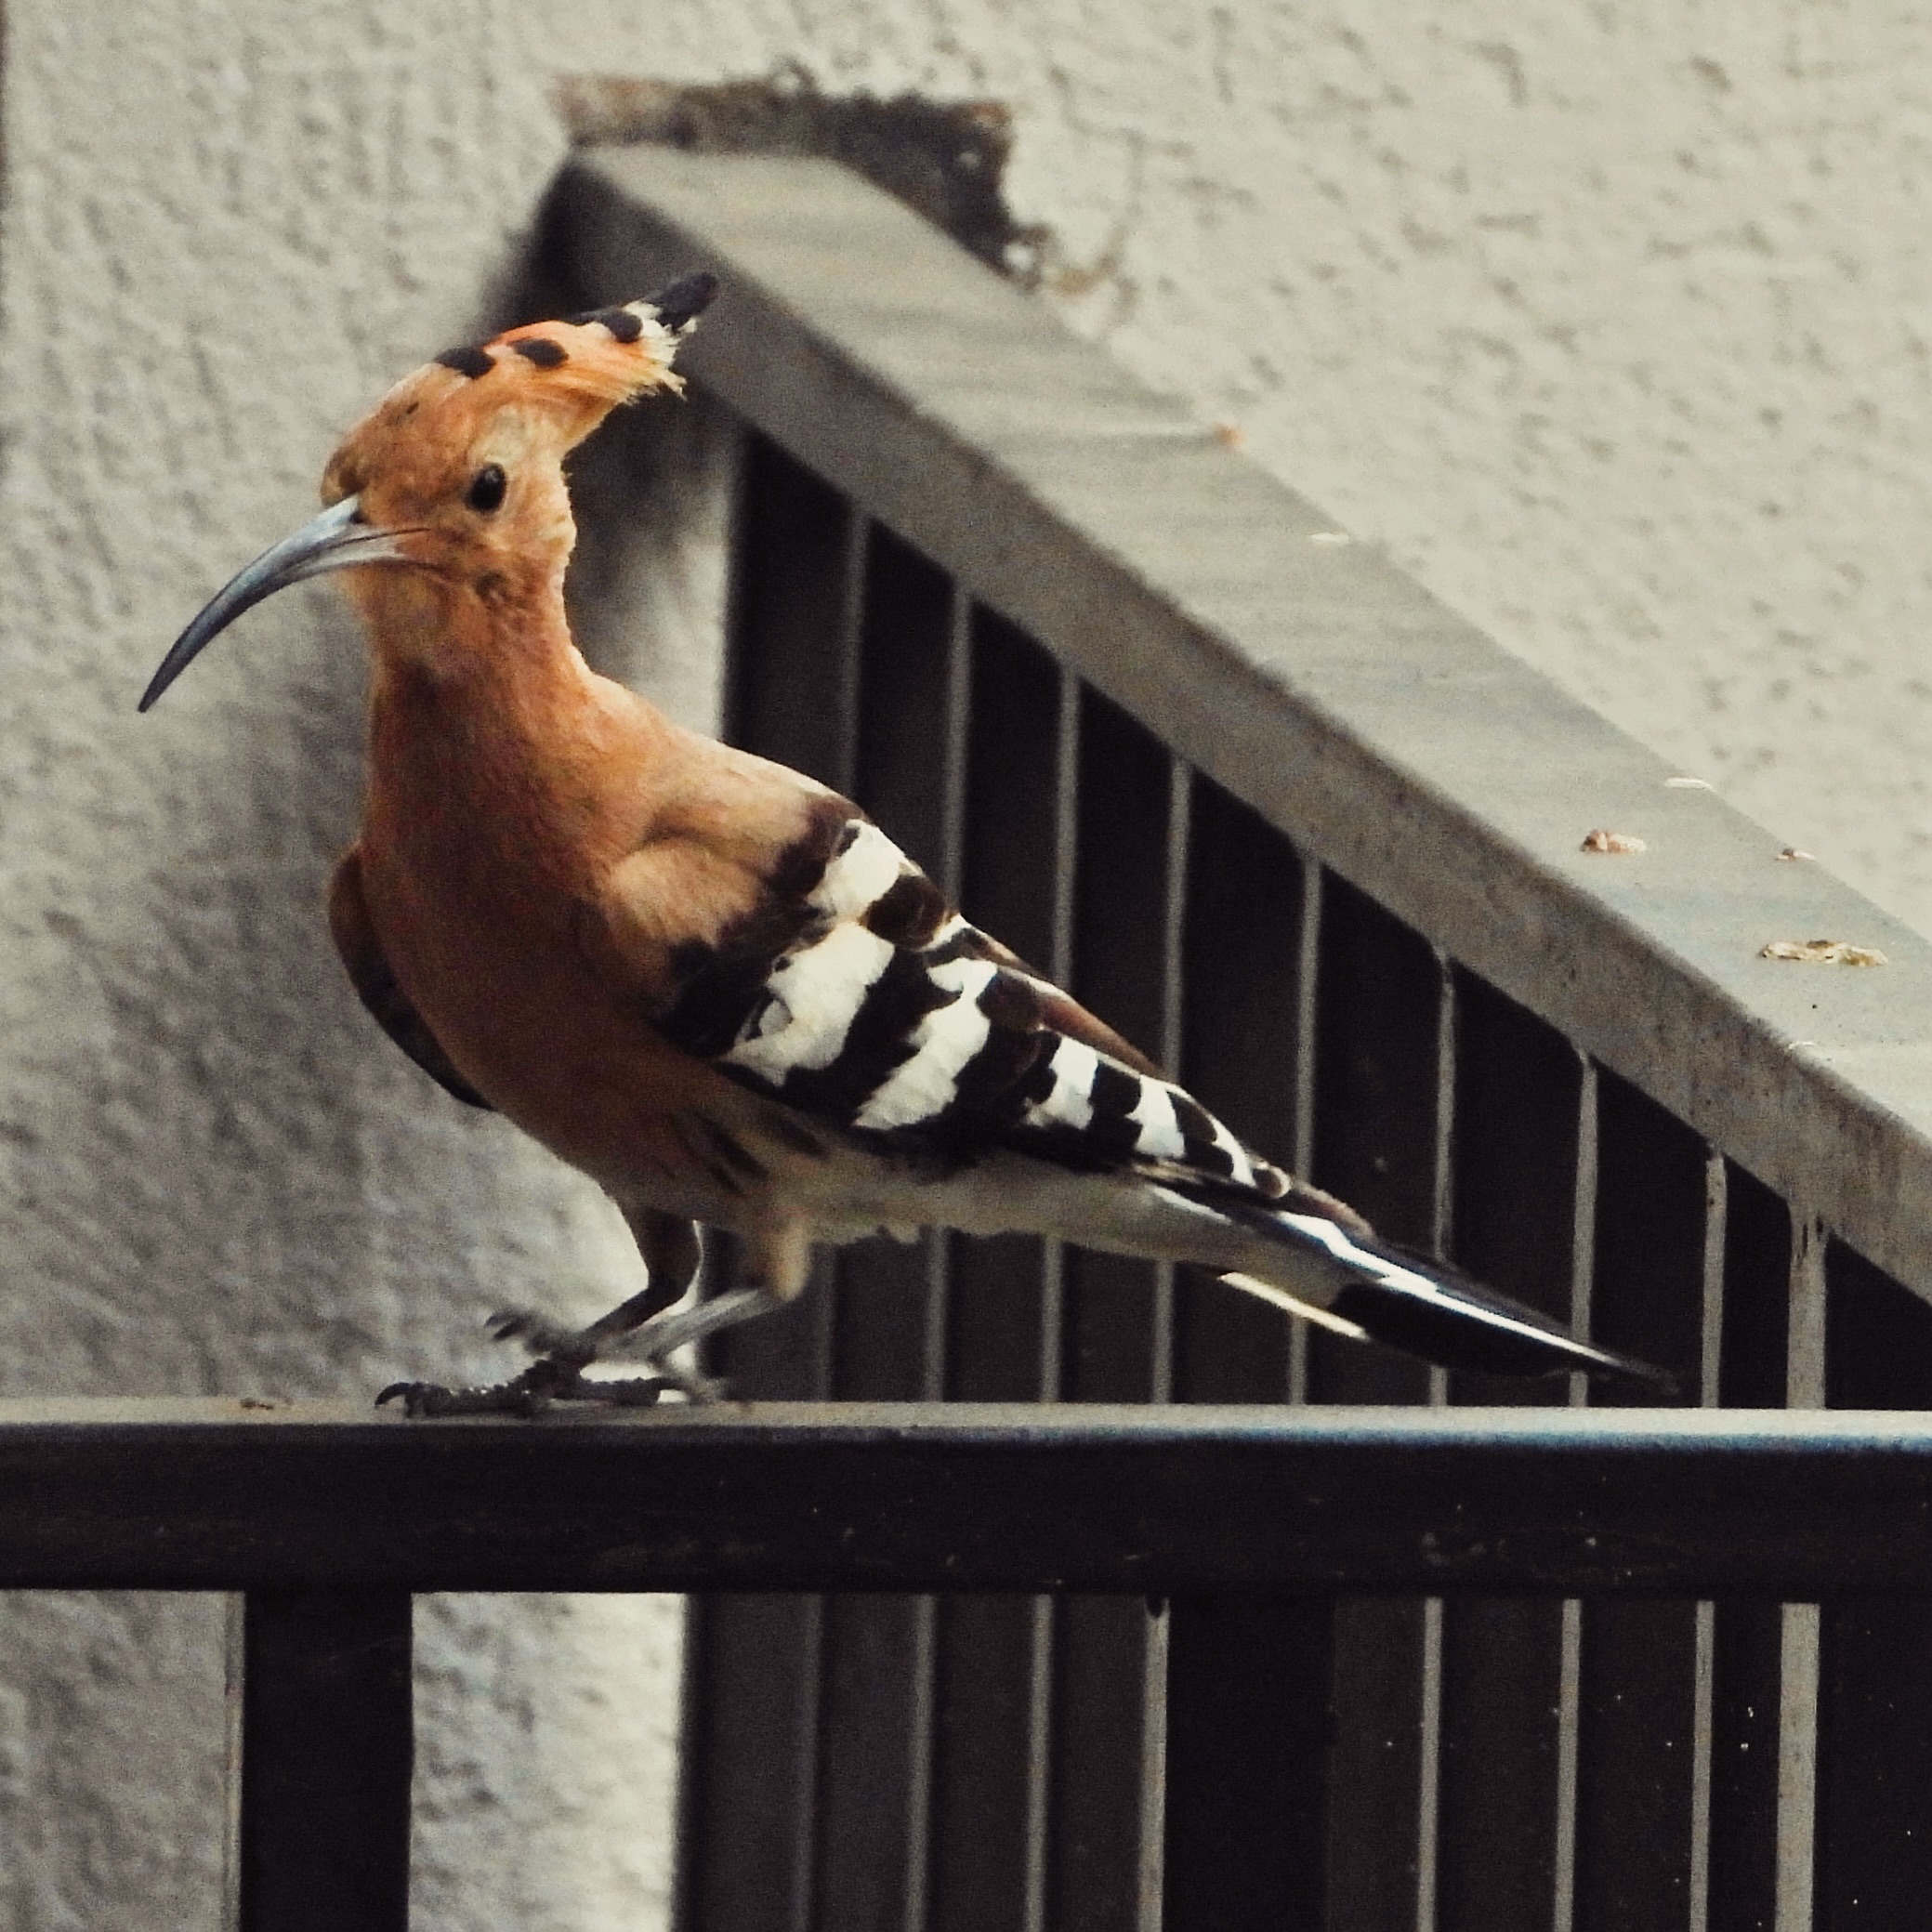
(1224,1523)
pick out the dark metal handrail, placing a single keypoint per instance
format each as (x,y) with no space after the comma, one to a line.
(329,1519)
(1787,1504)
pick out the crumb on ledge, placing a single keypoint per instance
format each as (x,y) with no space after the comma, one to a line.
(1824,953)
(1613,842)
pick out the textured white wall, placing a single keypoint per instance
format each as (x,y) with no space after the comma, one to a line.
(1606,318)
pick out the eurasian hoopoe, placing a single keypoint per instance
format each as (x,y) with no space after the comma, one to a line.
(707,982)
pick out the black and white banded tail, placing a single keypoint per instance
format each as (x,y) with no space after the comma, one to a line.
(1370,1289)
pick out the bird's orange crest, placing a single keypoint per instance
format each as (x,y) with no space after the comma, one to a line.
(556,380)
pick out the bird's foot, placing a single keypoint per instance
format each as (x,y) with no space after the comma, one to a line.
(528,1394)
(567,1352)
(548,1381)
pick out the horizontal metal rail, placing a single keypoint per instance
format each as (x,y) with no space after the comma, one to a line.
(884,1496)
(1300,670)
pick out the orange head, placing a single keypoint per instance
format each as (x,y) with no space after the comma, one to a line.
(455,481)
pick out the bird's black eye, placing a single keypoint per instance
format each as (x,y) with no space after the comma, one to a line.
(486,492)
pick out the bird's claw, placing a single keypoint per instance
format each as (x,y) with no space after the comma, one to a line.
(519,1397)
(545,1382)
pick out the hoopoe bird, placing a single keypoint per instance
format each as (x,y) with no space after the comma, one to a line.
(709,982)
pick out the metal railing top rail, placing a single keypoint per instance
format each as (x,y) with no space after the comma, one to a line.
(1302,671)
(220,1496)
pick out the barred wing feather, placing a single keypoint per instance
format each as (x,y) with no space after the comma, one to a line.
(868,1003)
(863,1000)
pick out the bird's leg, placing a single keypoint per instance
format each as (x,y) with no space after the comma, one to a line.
(778,1260)
(669,1246)
(667,1332)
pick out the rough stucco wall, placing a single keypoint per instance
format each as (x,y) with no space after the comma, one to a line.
(1604,318)
(1613,322)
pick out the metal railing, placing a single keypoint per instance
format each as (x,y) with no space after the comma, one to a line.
(1239,1524)
(1219,1638)
(1275,813)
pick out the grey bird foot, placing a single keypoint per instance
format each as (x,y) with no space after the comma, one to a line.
(546,1382)
(541,1384)
(528,1394)
(569,1351)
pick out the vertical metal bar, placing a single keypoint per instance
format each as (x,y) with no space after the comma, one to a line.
(1307,1011)
(1569,1680)
(1717,1229)
(1710,1353)
(1698,1913)
(1442,1223)
(1799,1645)
(809,1742)
(925,1685)
(1052,1287)
(1804,1385)
(1740,1888)
(1429,1791)
(1704,1689)
(1428,1794)
(1066,849)
(327,1743)
(806,1755)
(992,1708)
(1153,1714)
(920,1753)
(1152,1872)
(1167,1048)
(1570,1668)
(1797,1766)
(959,725)
(1442,1212)
(1582,1275)
(1038,1763)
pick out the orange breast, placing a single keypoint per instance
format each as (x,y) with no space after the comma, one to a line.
(483,847)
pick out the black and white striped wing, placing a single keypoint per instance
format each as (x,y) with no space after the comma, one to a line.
(863,1000)
(855,995)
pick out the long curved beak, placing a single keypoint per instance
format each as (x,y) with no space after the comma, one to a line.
(332,541)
